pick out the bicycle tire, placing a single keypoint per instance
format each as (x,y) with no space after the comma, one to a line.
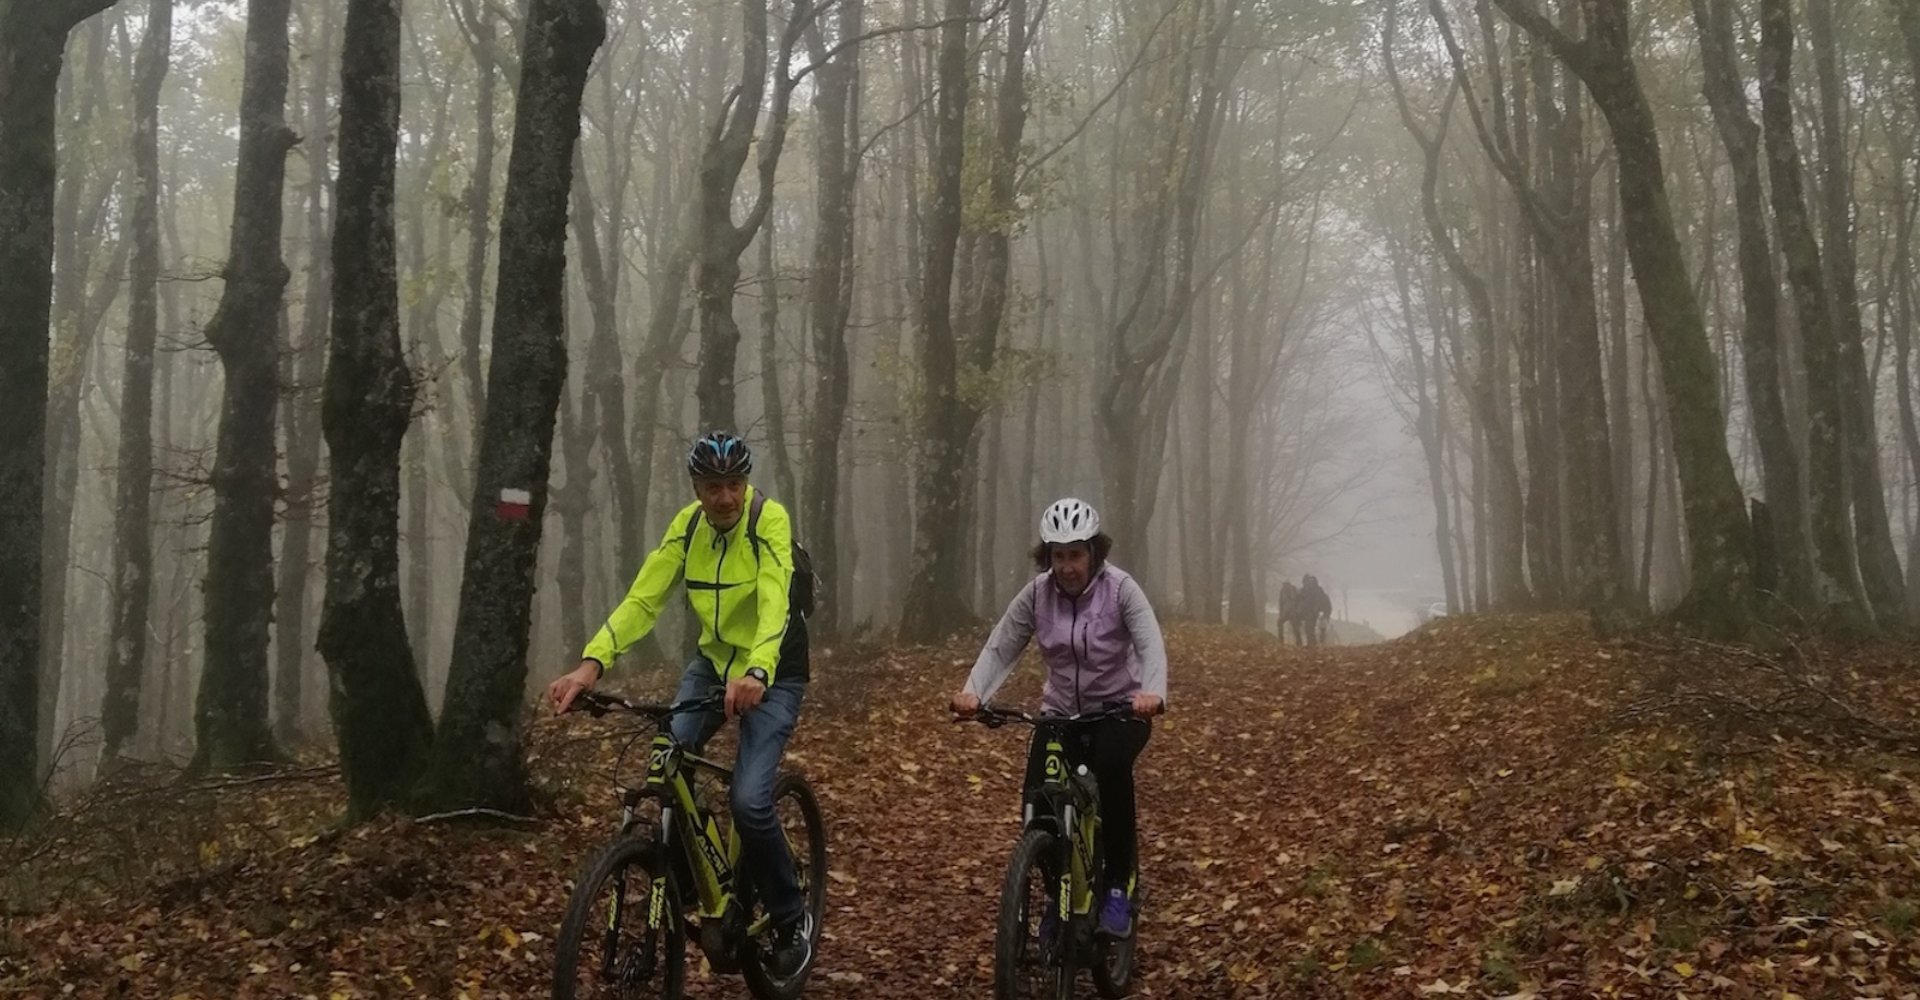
(812,872)
(1031,854)
(1112,967)
(635,854)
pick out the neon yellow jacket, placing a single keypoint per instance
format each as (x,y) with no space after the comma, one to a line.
(739,595)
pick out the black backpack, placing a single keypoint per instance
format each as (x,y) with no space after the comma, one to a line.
(800,596)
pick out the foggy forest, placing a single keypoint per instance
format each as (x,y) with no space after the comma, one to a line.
(351,352)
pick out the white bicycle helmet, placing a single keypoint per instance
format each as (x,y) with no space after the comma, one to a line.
(1069,521)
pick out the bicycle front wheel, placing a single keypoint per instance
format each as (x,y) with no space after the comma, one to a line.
(1033,949)
(1112,966)
(623,935)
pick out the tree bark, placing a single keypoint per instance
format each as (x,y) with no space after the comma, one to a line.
(721,241)
(1760,342)
(1904,320)
(1907,12)
(304,367)
(80,225)
(33,38)
(1872,528)
(231,713)
(379,711)
(476,758)
(133,520)
(1429,424)
(773,405)
(830,298)
(1836,579)
(1718,540)
(479,204)
(931,610)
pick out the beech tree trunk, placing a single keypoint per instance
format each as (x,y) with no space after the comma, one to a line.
(379,711)
(1836,579)
(1759,287)
(830,301)
(230,716)
(477,758)
(33,41)
(305,365)
(133,519)
(1872,528)
(932,607)
(1719,595)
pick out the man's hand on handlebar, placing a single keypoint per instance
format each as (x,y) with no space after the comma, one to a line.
(562,692)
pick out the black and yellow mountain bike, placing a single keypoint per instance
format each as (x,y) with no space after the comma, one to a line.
(673,871)
(1045,933)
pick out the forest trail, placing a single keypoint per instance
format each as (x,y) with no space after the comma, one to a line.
(1488,808)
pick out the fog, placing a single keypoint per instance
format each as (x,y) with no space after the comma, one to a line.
(1275,305)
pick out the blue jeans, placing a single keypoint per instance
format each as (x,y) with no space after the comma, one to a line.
(763,738)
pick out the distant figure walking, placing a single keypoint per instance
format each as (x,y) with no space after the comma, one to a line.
(1313,611)
(1288,612)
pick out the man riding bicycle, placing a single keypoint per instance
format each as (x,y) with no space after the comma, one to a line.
(733,547)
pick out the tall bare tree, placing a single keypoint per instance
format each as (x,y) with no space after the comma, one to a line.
(836,102)
(1760,344)
(301,366)
(930,611)
(379,712)
(133,519)
(231,714)
(1718,538)
(1872,529)
(476,758)
(720,240)
(33,42)
(1507,567)
(1836,579)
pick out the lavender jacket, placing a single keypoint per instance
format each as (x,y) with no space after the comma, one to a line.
(1100,647)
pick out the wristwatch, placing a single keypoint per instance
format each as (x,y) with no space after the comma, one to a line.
(759,674)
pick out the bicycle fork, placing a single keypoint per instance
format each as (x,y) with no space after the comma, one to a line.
(616,907)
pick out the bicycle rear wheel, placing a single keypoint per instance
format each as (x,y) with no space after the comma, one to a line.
(1033,949)
(608,946)
(806,831)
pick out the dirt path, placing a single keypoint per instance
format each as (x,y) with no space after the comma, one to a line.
(1463,813)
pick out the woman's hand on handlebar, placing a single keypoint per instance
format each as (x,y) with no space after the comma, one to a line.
(965,704)
(562,692)
(1146,705)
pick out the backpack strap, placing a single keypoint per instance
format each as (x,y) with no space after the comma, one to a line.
(753,522)
(686,540)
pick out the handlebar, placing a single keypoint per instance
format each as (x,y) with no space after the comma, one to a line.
(994,718)
(596,704)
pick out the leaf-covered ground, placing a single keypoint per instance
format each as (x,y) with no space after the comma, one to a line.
(1489,808)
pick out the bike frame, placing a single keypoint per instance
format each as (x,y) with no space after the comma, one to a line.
(1071,810)
(712,855)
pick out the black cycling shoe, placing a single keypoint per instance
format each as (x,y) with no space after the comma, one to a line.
(792,947)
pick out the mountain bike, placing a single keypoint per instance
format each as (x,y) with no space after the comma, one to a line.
(673,872)
(1056,864)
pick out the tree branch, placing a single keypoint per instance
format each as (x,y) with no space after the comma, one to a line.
(897,29)
(1577,55)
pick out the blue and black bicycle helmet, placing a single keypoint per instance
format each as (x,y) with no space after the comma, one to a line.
(719,454)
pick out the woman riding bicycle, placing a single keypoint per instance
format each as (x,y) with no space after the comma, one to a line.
(1101,644)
